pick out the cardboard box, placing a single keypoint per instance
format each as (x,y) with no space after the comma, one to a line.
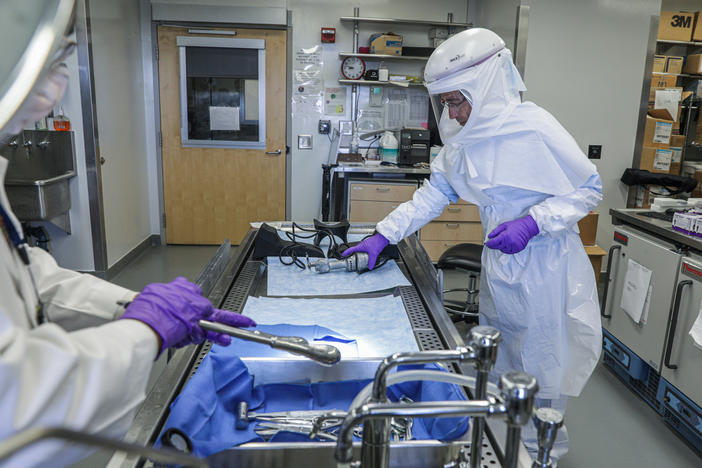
(659,127)
(595,253)
(693,64)
(661,81)
(659,62)
(697,34)
(588,228)
(676,145)
(676,25)
(388,43)
(674,64)
(656,159)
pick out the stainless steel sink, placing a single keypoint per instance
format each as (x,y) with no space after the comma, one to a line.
(41,164)
(419,454)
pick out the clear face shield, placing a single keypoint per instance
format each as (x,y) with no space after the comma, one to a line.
(452,110)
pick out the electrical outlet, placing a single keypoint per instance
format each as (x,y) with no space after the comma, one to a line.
(324,127)
(594,151)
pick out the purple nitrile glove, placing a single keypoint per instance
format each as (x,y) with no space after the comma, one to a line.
(173,311)
(512,236)
(372,246)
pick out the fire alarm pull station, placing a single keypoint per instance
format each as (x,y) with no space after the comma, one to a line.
(329,35)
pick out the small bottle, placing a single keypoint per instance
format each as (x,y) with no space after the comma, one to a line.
(61,122)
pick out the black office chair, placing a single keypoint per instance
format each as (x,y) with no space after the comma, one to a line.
(466,258)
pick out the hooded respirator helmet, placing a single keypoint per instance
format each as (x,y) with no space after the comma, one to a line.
(472,66)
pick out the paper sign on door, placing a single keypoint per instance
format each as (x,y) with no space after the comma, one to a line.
(636,290)
(696,330)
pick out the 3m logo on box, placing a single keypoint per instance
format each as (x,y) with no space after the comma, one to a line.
(621,238)
(680,21)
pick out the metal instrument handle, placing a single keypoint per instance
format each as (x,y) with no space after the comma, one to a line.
(277,152)
(674,323)
(603,306)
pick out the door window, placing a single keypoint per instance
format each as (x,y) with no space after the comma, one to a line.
(222,91)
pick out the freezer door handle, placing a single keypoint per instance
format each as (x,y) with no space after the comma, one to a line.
(603,306)
(674,323)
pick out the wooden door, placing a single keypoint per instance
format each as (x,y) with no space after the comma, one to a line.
(213,193)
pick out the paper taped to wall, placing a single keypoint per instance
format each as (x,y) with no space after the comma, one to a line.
(224,118)
(636,290)
(696,329)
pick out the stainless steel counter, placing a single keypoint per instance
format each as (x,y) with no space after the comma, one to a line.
(656,227)
(372,169)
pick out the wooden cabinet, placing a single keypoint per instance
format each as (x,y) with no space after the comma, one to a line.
(458,224)
(370,201)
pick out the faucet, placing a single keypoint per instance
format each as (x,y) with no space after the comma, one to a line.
(482,350)
(376,444)
(517,392)
(484,340)
(547,421)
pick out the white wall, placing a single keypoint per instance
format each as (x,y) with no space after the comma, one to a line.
(75,251)
(308,16)
(121,110)
(585,64)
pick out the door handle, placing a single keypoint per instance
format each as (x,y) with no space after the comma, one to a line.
(603,306)
(277,152)
(674,323)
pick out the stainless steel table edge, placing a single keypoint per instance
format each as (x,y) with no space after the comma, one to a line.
(655,227)
(153,413)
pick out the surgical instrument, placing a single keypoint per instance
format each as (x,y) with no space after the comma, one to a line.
(244,416)
(357,262)
(321,353)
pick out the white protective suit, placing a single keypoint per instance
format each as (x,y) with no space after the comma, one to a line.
(514,159)
(61,373)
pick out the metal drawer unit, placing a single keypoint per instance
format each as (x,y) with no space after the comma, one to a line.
(646,341)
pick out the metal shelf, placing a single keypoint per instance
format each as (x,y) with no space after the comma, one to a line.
(665,41)
(404,21)
(383,56)
(376,83)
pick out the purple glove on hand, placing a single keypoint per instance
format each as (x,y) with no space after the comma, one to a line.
(173,311)
(512,236)
(372,246)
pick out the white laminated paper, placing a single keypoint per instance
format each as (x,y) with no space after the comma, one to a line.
(696,329)
(662,159)
(636,283)
(224,118)
(335,101)
(662,132)
(647,305)
(668,99)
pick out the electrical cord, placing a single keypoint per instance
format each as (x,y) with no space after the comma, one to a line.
(334,251)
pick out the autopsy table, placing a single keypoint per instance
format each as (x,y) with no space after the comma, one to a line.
(233,277)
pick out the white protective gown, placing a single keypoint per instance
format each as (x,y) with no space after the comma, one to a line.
(81,369)
(514,159)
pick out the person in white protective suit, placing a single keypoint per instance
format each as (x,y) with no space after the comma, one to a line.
(65,359)
(532,184)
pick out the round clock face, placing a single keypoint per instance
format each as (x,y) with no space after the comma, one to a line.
(353,68)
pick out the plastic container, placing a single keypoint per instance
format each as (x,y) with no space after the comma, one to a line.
(61,122)
(388,147)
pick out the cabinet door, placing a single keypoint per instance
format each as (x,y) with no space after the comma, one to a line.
(644,340)
(682,360)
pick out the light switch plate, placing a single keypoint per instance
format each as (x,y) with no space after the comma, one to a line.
(304,142)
